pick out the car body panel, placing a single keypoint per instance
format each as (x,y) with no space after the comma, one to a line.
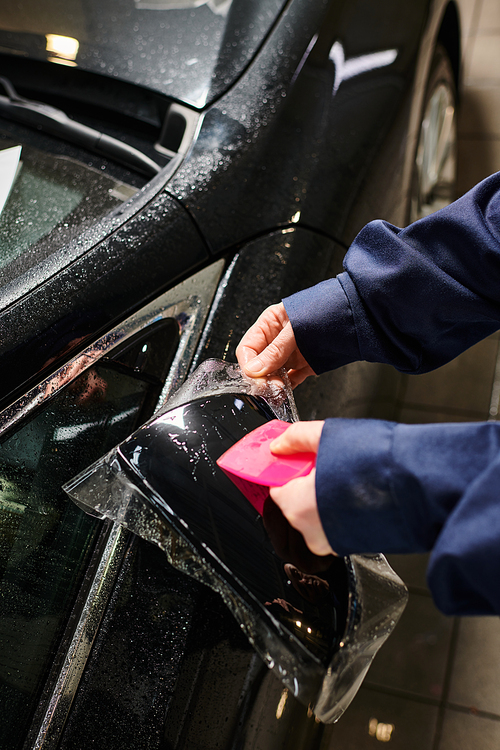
(165,647)
(68,311)
(51,428)
(285,138)
(183,49)
(262,272)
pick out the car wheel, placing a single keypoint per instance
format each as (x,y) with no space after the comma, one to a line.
(435,171)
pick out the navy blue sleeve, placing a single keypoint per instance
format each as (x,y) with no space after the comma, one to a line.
(387,487)
(415,297)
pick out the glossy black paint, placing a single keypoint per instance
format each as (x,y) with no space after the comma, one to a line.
(171,660)
(40,586)
(264,271)
(286,140)
(184,53)
(137,656)
(58,318)
(174,456)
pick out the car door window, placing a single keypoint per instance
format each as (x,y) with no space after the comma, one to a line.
(45,541)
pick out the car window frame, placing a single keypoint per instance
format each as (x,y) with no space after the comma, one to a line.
(188,303)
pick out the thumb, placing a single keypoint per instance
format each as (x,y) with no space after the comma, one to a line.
(300,437)
(274,356)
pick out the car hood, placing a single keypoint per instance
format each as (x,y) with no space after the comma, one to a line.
(190,50)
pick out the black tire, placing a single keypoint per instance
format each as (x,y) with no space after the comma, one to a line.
(434,177)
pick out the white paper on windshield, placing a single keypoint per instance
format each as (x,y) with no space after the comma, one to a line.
(10,159)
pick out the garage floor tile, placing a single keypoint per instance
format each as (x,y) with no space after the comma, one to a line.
(465,731)
(475,678)
(414,659)
(489,19)
(462,386)
(480,113)
(377,719)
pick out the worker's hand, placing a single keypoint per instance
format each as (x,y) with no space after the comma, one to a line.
(289,544)
(270,344)
(297,499)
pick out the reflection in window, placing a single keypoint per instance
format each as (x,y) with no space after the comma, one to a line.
(45,541)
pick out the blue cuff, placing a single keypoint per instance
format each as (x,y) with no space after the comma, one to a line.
(355,474)
(323,325)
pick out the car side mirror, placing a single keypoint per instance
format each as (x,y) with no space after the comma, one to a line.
(316,621)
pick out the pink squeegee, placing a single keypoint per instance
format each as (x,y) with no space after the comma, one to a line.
(252,467)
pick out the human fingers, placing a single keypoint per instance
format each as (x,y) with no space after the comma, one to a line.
(298,374)
(269,345)
(288,543)
(265,329)
(300,437)
(297,502)
(275,355)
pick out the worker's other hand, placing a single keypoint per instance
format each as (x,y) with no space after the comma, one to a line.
(297,499)
(270,344)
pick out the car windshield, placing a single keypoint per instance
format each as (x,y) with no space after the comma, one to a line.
(191,50)
(46,201)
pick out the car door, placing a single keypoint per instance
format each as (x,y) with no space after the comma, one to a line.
(57,565)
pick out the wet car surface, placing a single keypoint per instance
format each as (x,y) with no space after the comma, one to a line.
(258,140)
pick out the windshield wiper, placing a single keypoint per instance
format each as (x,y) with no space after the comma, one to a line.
(55,122)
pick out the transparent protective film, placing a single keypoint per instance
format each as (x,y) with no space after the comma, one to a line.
(216,377)
(316,621)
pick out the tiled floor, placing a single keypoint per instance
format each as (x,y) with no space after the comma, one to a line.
(436,683)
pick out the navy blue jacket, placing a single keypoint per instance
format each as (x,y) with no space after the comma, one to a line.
(414,298)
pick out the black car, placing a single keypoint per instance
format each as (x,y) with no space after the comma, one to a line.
(168,168)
